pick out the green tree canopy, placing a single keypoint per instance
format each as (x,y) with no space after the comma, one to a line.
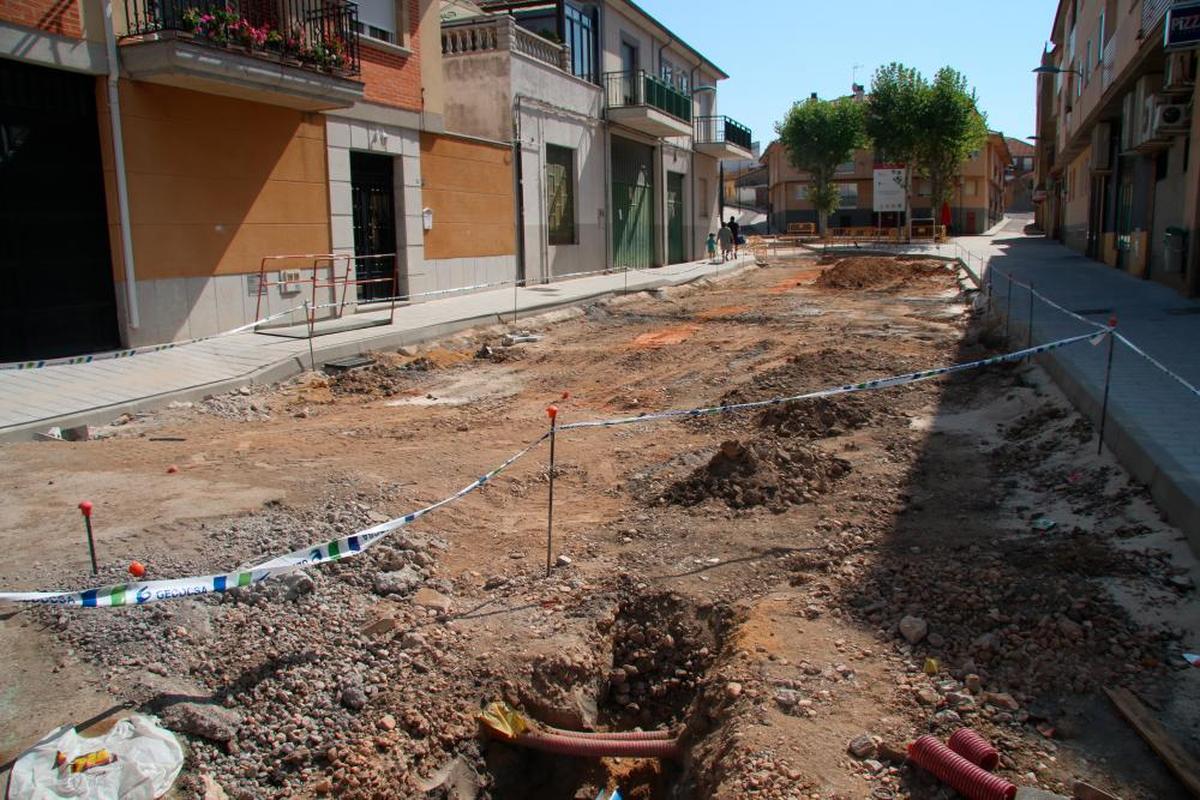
(818,135)
(931,126)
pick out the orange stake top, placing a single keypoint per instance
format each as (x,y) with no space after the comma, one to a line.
(552,412)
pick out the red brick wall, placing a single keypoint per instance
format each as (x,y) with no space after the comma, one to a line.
(56,16)
(390,78)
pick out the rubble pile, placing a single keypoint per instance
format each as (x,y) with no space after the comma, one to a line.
(819,418)
(763,473)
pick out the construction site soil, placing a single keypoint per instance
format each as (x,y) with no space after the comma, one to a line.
(772,584)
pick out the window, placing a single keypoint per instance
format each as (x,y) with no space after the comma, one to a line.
(970,187)
(1100,40)
(800,191)
(581,36)
(1087,64)
(703,204)
(847,195)
(845,168)
(560,194)
(379,19)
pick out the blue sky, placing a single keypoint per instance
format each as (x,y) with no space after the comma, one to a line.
(778,51)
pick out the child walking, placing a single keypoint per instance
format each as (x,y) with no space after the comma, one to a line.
(712,247)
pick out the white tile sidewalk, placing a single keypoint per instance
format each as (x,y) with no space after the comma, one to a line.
(76,394)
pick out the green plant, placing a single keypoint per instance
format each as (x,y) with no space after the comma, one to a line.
(818,135)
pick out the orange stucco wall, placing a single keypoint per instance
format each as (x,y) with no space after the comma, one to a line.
(54,16)
(469,187)
(215,183)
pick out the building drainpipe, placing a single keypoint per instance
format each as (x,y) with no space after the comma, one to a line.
(114,116)
(519,176)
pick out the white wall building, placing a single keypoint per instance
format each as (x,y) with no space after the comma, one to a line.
(617,125)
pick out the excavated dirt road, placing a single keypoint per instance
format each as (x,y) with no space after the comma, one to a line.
(740,578)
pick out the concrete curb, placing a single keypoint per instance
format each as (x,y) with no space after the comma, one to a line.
(289,366)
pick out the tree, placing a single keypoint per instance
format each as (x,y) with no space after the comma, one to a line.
(931,127)
(894,114)
(953,128)
(818,135)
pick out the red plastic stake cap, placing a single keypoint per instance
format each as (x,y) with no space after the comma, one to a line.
(552,412)
(566,396)
(137,569)
(86,508)
(1112,321)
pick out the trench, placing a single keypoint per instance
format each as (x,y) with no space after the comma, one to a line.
(663,646)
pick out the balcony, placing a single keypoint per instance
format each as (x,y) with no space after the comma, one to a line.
(498,34)
(644,103)
(721,137)
(301,54)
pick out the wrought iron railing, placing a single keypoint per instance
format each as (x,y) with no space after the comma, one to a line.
(718,130)
(316,34)
(1152,13)
(638,88)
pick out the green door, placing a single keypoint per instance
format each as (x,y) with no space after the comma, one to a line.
(675,218)
(632,203)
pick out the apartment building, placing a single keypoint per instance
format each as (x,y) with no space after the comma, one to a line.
(1115,178)
(1019,182)
(151,164)
(976,205)
(614,125)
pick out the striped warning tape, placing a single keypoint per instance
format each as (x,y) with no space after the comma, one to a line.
(1158,364)
(142,592)
(138,351)
(878,383)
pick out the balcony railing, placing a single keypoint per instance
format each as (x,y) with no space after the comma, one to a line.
(502,33)
(719,130)
(316,34)
(637,88)
(1152,13)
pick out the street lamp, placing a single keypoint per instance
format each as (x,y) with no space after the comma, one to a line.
(1046,69)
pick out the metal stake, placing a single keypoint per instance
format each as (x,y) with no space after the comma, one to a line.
(552,411)
(1029,334)
(1008,308)
(1112,323)
(312,359)
(86,509)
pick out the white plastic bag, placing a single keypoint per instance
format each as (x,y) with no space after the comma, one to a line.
(143,761)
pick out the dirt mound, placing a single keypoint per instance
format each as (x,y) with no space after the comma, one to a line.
(877,272)
(815,419)
(762,474)
(390,374)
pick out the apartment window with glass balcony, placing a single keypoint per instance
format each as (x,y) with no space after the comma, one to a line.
(560,194)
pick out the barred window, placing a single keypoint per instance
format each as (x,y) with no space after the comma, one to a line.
(560,194)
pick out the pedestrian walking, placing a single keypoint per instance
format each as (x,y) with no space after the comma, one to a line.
(734,229)
(725,239)
(712,246)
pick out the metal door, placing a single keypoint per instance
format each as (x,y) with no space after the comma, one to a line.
(675,250)
(633,203)
(374,225)
(58,296)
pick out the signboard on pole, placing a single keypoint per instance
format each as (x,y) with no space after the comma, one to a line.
(1182,31)
(889,192)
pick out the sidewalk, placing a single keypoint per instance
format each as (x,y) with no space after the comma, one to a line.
(96,393)
(1153,422)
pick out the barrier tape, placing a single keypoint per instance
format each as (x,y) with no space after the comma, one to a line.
(157,348)
(142,592)
(1158,364)
(878,383)
(138,351)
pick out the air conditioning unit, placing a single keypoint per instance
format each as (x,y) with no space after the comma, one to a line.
(1172,119)
(1101,161)
(1180,72)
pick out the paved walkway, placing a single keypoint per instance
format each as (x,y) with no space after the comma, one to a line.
(96,393)
(1153,422)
